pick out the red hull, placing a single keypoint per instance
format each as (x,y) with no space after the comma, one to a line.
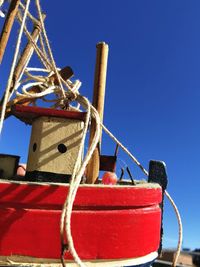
(107,223)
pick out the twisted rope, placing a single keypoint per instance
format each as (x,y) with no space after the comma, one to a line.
(75,181)
(43,45)
(38,51)
(125,149)
(34,20)
(180,238)
(49,48)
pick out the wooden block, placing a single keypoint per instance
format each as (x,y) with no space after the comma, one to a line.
(108,163)
(54,145)
(8,165)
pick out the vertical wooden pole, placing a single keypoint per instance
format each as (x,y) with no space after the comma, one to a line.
(92,171)
(8,26)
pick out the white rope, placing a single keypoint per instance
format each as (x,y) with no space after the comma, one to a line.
(76,86)
(1,12)
(28,59)
(2,15)
(180,240)
(47,91)
(49,48)
(6,97)
(29,14)
(46,88)
(1,2)
(125,149)
(76,179)
(38,51)
(43,46)
(45,60)
(38,69)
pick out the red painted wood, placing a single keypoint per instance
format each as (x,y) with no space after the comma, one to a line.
(29,113)
(53,196)
(29,222)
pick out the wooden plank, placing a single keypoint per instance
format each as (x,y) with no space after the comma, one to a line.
(38,262)
(29,113)
(8,26)
(92,171)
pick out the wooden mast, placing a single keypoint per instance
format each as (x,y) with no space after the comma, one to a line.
(8,26)
(92,171)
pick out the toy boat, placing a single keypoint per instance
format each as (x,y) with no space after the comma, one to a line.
(119,223)
(116,224)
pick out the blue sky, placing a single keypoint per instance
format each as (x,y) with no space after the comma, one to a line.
(153,88)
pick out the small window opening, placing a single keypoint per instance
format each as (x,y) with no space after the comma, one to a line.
(62,148)
(34,147)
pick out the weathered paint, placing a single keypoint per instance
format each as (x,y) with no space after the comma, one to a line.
(107,222)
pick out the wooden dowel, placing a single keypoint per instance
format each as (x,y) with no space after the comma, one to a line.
(92,171)
(27,50)
(8,26)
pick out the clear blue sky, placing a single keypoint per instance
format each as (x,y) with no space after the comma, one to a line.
(153,87)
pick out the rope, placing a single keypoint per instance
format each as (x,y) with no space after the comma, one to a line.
(39,53)
(125,149)
(1,12)
(34,20)
(6,98)
(1,2)
(75,181)
(37,69)
(42,45)
(48,47)
(178,250)
(27,60)
(45,60)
